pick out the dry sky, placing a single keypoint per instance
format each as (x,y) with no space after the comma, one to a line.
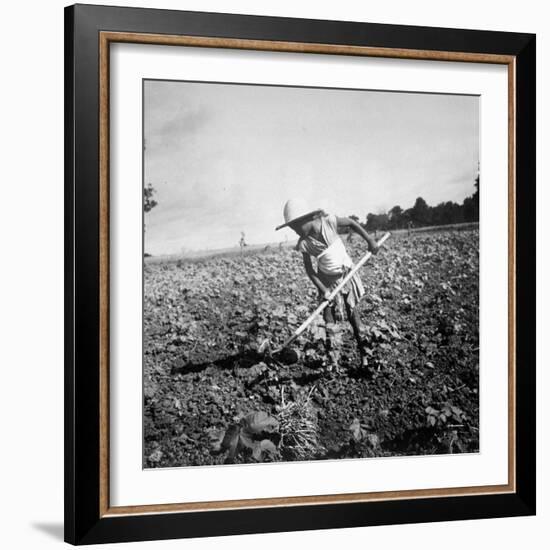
(224,158)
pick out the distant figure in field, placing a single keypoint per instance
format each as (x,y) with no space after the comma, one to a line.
(242,242)
(409,227)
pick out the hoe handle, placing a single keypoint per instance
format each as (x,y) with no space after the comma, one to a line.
(338,288)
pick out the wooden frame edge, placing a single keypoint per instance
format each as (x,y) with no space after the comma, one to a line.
(309,500)
(104,275)
(512,273)
(105,39)
(300,47)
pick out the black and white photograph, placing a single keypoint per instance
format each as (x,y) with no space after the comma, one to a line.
(310,274)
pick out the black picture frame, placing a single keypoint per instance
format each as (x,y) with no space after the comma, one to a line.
(84,523)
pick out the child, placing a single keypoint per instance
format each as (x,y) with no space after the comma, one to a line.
(319,239)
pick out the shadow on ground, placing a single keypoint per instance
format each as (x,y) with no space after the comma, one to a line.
(54,530)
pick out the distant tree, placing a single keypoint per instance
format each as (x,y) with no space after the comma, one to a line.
(438,215)
(377,222)
(370,222)
(148,201)
(446,213)
(395,212)
(420,213)
(406,219)
(470,206)
(395,217)
(469,210)
(475,196)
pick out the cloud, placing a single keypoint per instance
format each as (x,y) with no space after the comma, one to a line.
(171,134)
(225,158)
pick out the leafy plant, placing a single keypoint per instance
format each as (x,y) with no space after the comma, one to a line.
(444,414)
(249,437)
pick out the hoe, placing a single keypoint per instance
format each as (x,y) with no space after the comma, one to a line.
(289,355)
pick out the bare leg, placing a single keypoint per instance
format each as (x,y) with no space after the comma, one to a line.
(355,321)
(356,324)
(331,328)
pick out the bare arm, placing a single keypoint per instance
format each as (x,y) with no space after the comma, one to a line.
(357,228)
(312,274)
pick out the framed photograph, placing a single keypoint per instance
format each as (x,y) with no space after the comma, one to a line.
(300,274)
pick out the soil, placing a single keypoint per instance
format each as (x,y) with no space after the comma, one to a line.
(209,326)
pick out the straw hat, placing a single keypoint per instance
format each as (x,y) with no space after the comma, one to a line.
(295,210)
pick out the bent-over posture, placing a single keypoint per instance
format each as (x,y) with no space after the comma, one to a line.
(319,239)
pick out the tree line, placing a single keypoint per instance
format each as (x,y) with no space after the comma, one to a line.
(419,215)
(422,215)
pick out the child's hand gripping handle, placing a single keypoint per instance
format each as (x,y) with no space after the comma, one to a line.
(331,296)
